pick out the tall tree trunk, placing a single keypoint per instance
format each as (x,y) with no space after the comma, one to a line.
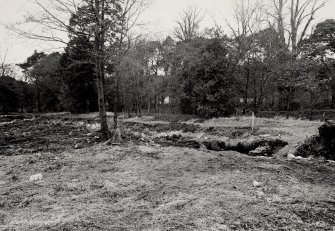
(148,112)
(39,109)
(102,109)
(255,95)
(100,67)
(311,105)
(116,98)
(246,91)
(333,97)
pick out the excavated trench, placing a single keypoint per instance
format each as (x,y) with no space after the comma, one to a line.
(173,135)
(258,147)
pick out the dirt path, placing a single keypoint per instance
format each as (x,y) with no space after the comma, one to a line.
(150,187)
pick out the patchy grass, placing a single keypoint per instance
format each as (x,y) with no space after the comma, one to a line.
(149,187)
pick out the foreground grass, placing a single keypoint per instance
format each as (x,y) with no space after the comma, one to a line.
(142,187)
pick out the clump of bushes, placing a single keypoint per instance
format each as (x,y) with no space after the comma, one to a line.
(322,145)
(207,87)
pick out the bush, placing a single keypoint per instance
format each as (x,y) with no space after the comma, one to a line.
(208,86)
(321,145)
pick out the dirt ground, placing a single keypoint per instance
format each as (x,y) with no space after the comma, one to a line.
(146,185)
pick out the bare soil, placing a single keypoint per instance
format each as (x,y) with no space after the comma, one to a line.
(144,185)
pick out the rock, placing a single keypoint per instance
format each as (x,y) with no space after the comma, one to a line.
(265,136)
(111,186)
(299,158)
(256,184)
(290,156)
(260,194)
(89,134)
(78,146)
(36,177)
(93,127)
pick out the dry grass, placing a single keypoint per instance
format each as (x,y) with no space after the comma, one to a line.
(164,188)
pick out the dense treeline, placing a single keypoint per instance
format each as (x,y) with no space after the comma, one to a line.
(206,73)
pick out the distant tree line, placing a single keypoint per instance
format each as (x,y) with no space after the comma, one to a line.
(267,64)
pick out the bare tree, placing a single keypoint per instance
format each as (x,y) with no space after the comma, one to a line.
(248,16)
(278,15)
(5,68)
(188,24)
(249,19)
(300,14)
(3,64)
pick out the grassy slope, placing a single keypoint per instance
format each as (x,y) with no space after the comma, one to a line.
(154,188)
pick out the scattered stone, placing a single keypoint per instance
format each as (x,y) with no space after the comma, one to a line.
(89,134)
(36,177)
(110,185)
(265,136)
(78,146)
(260,194)
(256,184)
(290,156)
(93,127)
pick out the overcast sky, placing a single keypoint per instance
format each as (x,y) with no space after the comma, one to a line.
(160,19)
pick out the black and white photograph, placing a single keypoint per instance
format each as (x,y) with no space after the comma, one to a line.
(167,115)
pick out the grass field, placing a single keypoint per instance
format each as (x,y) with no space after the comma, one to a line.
(142,186)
